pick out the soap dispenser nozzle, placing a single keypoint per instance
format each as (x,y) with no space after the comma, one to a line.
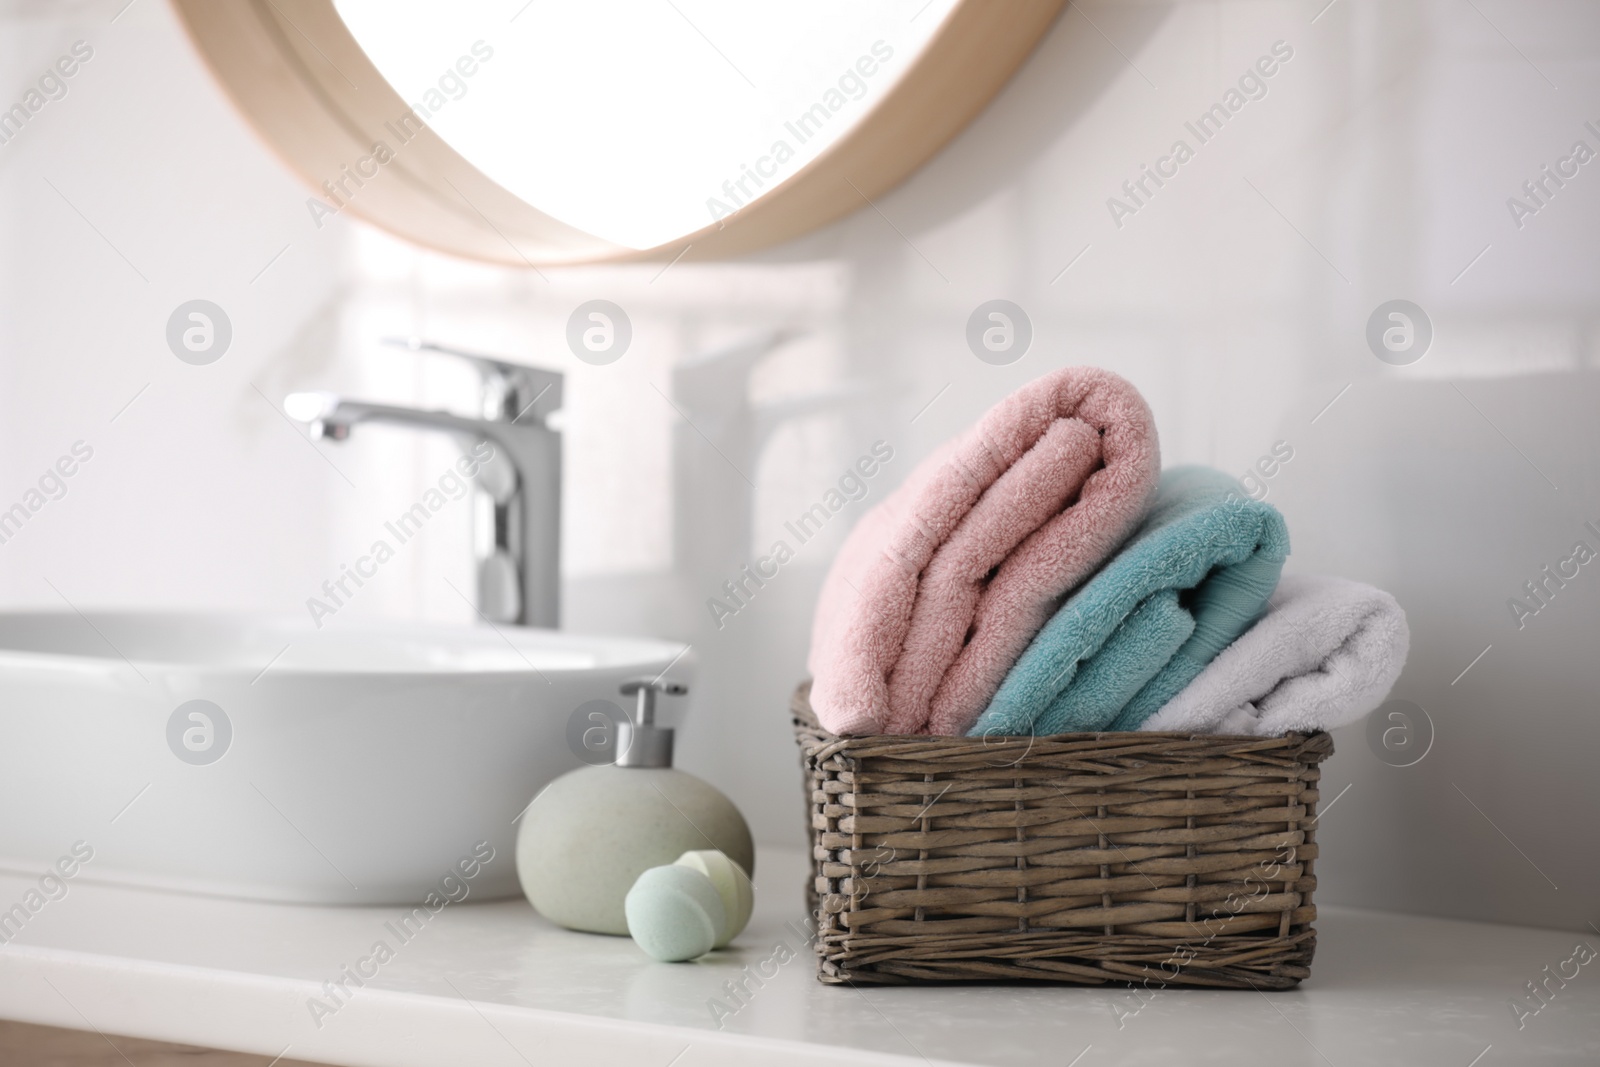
(643,743)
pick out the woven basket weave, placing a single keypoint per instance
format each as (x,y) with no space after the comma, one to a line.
(1153,858)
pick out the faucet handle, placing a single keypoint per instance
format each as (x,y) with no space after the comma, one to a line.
(514,392)
(487,364)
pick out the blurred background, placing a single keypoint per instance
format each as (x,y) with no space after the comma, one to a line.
(1379,165)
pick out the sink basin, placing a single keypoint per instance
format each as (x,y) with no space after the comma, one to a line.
(259,757)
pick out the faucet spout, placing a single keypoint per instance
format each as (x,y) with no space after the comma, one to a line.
(520,576)
(329,416)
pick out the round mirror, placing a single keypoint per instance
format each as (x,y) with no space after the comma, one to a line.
(558,131)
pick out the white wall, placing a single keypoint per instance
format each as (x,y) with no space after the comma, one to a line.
(1377,166)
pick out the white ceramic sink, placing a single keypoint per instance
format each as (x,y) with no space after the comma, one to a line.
(353,765)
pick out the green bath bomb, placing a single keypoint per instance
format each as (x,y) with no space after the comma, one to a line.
(674,913)
(733,886)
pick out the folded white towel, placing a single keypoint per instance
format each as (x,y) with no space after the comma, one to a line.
(1325,654)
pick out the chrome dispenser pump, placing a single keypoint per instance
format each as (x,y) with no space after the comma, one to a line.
(640,742)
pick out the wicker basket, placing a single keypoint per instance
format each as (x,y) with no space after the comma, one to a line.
(1152,858)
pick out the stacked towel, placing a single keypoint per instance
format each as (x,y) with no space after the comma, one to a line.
(939,588)
(1196,575)
(1325,654)
(1032,577)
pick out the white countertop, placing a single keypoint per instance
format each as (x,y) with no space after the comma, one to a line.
(492,984)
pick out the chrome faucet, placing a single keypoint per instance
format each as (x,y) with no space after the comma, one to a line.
(519,571)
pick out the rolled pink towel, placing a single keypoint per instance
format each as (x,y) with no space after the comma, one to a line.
(939,588)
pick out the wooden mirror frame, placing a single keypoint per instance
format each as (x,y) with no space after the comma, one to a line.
(299,77)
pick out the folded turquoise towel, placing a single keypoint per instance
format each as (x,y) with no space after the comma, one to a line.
(1196,575)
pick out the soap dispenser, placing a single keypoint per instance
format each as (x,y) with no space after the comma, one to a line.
(589,834)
